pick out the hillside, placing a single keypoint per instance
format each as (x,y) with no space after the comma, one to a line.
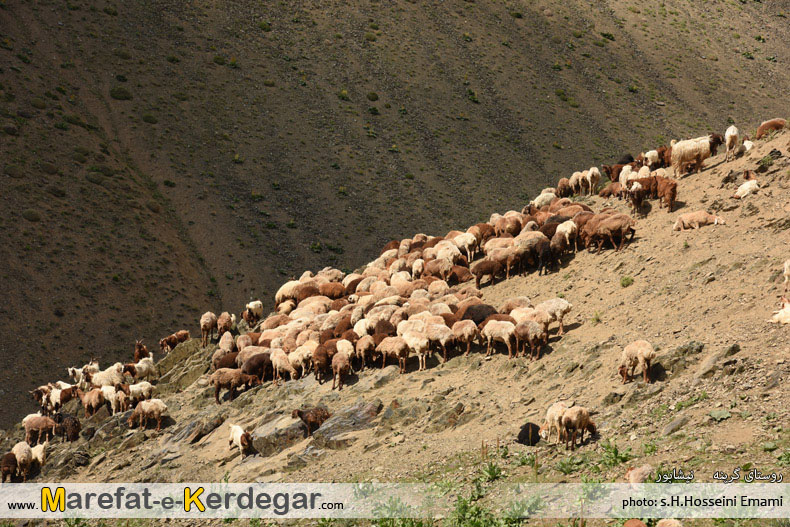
(161,158)
(701,297)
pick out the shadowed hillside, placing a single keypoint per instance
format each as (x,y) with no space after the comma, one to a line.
(162,158)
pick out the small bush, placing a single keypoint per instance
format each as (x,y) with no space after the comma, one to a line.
(343,95)
(268,83)
(608,36)
(31,215)
(596,319)
(219,60)
(370,37)
(492,472)
(150,119)
(120,93)
(266,26)
(612,456)
(110,11)
(38,103)
(372,96)
(173,59)
(626,281)
(169,183)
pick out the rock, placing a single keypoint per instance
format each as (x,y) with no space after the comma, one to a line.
(719,415)
(714,362)
(310,454)
(277,435)
(772,380)
(195,430)
(133,440)
(749,209)
(184,365)
(612,398)
(676,424)
(679,359)
(379,378)
(529,434)
(88,432)
(355,417)
(732,349)
(442,418)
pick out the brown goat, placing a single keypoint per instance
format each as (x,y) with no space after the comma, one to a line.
(313,418)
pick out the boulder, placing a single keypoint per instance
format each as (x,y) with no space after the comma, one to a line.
(277,435)
(333,433)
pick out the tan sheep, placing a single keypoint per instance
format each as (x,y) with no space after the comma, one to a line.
(576,420)
(695,220)
(638,352)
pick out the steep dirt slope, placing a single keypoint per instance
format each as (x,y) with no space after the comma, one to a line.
(240,143)
(701,297)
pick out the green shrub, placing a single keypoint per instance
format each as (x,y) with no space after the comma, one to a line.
(266,26)
(343,95)
(31,215)
(150,119)
(219,60)
(626,281)
(120,93)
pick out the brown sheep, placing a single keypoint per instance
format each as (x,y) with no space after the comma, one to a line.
(321,364)
(231,379)
(333,290)
(228,360)
(667,192)
(486,267)
(619,225)
(313,418)
(208,323)
(92,400)
(340,366)
(364,348)
(564,188)
(8,467)
(224,323)
(145,410)
(769,126)
(42,426)
(394,347)
(576,420)
(258,365)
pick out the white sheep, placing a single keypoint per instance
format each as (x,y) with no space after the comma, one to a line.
(499,331)
(638,352)
(227,342)
(109,377)
(111,395)
(24,458)
(569,230)
(651,158)
(141,391)
(240,438)
(465,331)
(592,179)
(557,308)
(575,182)
(576,419)
(731,140)
(439,334)
(750,187)
(280,364)
(208,324)
(543,199)
(418,343)
(786,272)
(144,369)
(39,453)
(783,315)
(553,422)
(468,243)
(695,220)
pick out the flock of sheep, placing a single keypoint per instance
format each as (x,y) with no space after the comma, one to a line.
(416,298)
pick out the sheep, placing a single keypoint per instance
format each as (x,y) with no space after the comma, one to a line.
(418,343)
(750,187)
(111,395)
(465,331)
(301,358)
(363,348)
(227,343)
(394,347)
(564,188)
(615,225)
(668,522)
(592,179)
(611,190)
(280,364)
(783,315)
(574,182)
(667,192)
(40,453)
(167,344)
(486,267)
(694,151)
(440,334)
(651,159)
(68,427)
(231,379)
(143,369)
(312,418)
(638,352)
(137,392)
(208,323)
(745,147)
(695,220)
(556,308)
(532,333)
(140,350)
(731,140)
(58,396)
(576,419)
(24,458)
(769,126)
(636,475)
(499,331)
(569,230)
(240,438)
(258,365)
(341,365)
(786,273)
(553,422)
(145,410)
(543,199)
(78,374)
(8,467)
(255,311)
(43,427)
(468,243)
(92,400)
(224,322)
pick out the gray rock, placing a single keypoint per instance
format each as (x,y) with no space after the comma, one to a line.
(676,424)
(715,361)
(642,392)
(680,358)
(612,398)
(277,435)
(720,415)
(378,378)
(442,417)
(195,430)
(355,417)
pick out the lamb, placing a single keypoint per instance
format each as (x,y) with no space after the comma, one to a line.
(8,467)
(43,426)
(532,333)
(313,418)
(638,352)
(91,401)
(113,396)
(750,187)
(143,369)
(208,323)
(240,438)
(230,379)
(576,419)
(769,126)
(145,410)
(695,220)
(254,311)
(341,365)
(783,315)
(24,458)
(731,140)
(394,347)
(465,331)
(40,453)
(499,331)
(553,421)
(694,151)
(556,308)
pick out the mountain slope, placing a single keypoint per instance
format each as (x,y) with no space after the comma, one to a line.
(241,143)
